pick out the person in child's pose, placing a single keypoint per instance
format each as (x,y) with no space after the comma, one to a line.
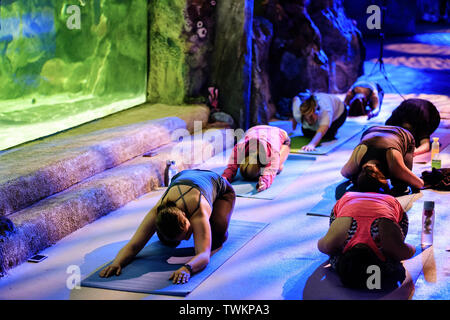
(320,114)
(418,116)
(384,152)
(367,229)
(259,155)
(197,203)
(364,98)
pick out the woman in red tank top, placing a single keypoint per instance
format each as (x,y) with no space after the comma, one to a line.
(367,229)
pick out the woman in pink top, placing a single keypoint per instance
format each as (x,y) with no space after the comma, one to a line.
(367,229)
(260,155)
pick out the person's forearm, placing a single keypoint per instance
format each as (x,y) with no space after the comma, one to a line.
(423,148)
(199,261)
(316,139)
(126,254)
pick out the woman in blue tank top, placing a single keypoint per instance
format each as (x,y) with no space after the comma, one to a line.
(197,203)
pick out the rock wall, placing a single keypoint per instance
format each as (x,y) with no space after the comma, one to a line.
(258,54)
(180,45)
(341,41)
(314,46)
(232,58)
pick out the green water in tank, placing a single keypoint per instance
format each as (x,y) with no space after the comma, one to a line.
(64,63)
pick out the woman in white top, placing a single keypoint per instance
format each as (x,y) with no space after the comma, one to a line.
(321,115)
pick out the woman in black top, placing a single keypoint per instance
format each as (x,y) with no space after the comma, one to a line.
(197,203)
(385,152)
(418,116)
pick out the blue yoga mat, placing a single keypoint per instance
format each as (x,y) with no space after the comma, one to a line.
(149,272)
(294,166)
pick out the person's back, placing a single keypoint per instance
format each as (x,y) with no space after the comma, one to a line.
(388,137)
(418,116)
(367,229)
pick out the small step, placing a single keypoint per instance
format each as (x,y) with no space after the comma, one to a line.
(32,173)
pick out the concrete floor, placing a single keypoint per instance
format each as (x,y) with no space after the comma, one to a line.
(278,264)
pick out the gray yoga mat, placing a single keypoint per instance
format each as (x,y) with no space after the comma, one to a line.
(294,166)
(149,272)
(345,133)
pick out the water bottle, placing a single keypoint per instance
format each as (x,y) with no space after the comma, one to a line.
(171,170)
(434,148)
(427,223)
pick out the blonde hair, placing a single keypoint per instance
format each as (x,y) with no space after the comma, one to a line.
(251,168)
(309,105)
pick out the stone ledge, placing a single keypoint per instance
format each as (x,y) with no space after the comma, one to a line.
(35,172)
(49,220)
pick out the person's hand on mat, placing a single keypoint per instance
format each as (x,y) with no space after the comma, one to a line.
(181,276)
(261,186)
(112,269)
(309,147)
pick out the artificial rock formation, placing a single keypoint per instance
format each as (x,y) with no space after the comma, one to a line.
(314,46)
(232,58)
(341,41)
(180,47)
(262,108)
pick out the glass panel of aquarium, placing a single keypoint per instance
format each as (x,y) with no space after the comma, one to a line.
(64,63)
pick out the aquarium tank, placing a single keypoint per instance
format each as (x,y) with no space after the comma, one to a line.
(64,63)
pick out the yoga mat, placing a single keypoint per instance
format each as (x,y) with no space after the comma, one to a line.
(324,283)
(294,166)
(149,272)
(444,140)
(345,133)
(324,207)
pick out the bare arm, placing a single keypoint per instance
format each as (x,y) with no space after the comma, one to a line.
(333,241)
(201,230)
(351,168)
(142,235)
(321,131)
(423,147)
(392,241)
(348,97)
(400,171)
(374,104)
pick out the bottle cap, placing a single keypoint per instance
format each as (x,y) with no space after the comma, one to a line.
(428,205)
(435,138)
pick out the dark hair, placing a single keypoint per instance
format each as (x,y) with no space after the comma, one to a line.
(371,179)
(352,269)
(169,222)
(357,107)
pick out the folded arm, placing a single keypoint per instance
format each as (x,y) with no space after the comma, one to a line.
(351,168)
(400,171)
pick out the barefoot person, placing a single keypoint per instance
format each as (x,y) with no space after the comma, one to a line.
(384,152)
(320,114)
(418,116)
(367,229)
(364,98)
(197,203)
(260,155)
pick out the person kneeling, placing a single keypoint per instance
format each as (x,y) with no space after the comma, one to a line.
(259,156)
(320,114)
(197,203)
(367,234)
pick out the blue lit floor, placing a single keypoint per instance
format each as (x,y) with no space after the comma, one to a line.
(282,262)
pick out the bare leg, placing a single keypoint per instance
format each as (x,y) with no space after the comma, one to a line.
(284,153)
(221,215)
